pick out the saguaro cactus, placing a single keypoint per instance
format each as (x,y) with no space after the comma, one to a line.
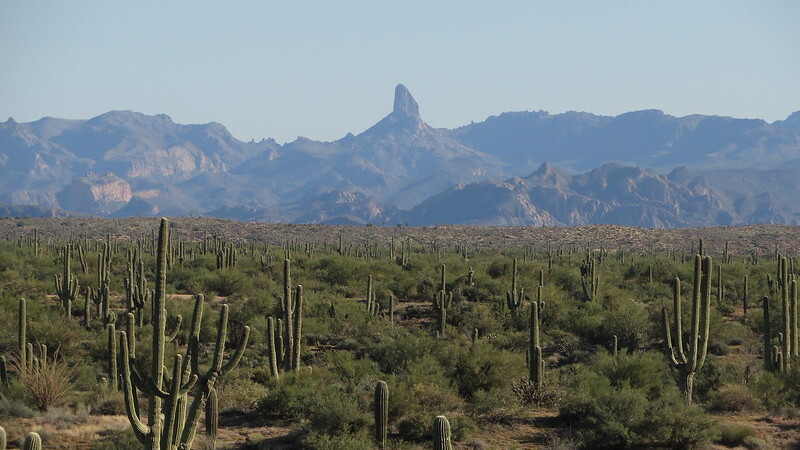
(288,314)
(381,413)
(298,328)
(441,434)
(691,358)
(768,354)
(788,290)
(535,361)
(3,374)
(272,351)
(589,280)
(136,292)
(113,376)
(169,425)
(32,442)
(514,296)
(66,283)
(442,302)
(212,417)
(372,304)
(22,332)
(744,295)
(287,334)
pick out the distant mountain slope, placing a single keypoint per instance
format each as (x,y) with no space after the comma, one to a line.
(7,210)
(647,138)
(611,194)
(403,170)
(40,159)
(400,159)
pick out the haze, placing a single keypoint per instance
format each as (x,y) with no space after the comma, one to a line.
(322,69)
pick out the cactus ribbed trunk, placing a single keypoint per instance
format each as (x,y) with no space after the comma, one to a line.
(744,296)
(212,417)
(298,328)
(113,377)
(441,434)
(535,361)
(288,310)
(32,442)
(686,385)
(381,413)
(272,354)
(159,322)
(22,332)
(768,355)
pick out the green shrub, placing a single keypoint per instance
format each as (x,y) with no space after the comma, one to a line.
(605,416)
(482,368)
(734,434)
(755,443)
(734,398)
(336,413)
(118,440)
(718,348)
(239,393)
(768,388)
(321,441)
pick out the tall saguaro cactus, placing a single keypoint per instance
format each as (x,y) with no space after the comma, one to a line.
(22,332)
(169,424)
(381,413)
(514,296)
(288,314)
(690,358)
(284,336)
(272,348)
(66,282)
(768,357)
(442,302)
(589,280)
(100,295)
(136,292)
(535,361)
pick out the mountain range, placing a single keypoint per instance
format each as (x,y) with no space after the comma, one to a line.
(643,168)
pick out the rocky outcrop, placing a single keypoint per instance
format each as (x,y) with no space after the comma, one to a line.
(612,194)
(96,194)
(404,103)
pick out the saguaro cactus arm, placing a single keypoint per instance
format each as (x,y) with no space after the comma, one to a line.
(688,361)
(140,430)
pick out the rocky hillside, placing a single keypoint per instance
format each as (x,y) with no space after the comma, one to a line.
(403,170)
(611,194)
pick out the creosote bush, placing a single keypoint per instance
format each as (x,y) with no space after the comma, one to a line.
(45,382)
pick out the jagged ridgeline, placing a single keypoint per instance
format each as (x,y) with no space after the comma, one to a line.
(207,335)
(642,168)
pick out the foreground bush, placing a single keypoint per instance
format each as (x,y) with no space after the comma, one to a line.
(622,409)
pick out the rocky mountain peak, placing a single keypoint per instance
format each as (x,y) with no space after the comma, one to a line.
(404,103)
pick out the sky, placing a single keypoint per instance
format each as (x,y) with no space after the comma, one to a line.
(321,69)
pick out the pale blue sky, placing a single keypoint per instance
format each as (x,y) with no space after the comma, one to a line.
(322,69)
